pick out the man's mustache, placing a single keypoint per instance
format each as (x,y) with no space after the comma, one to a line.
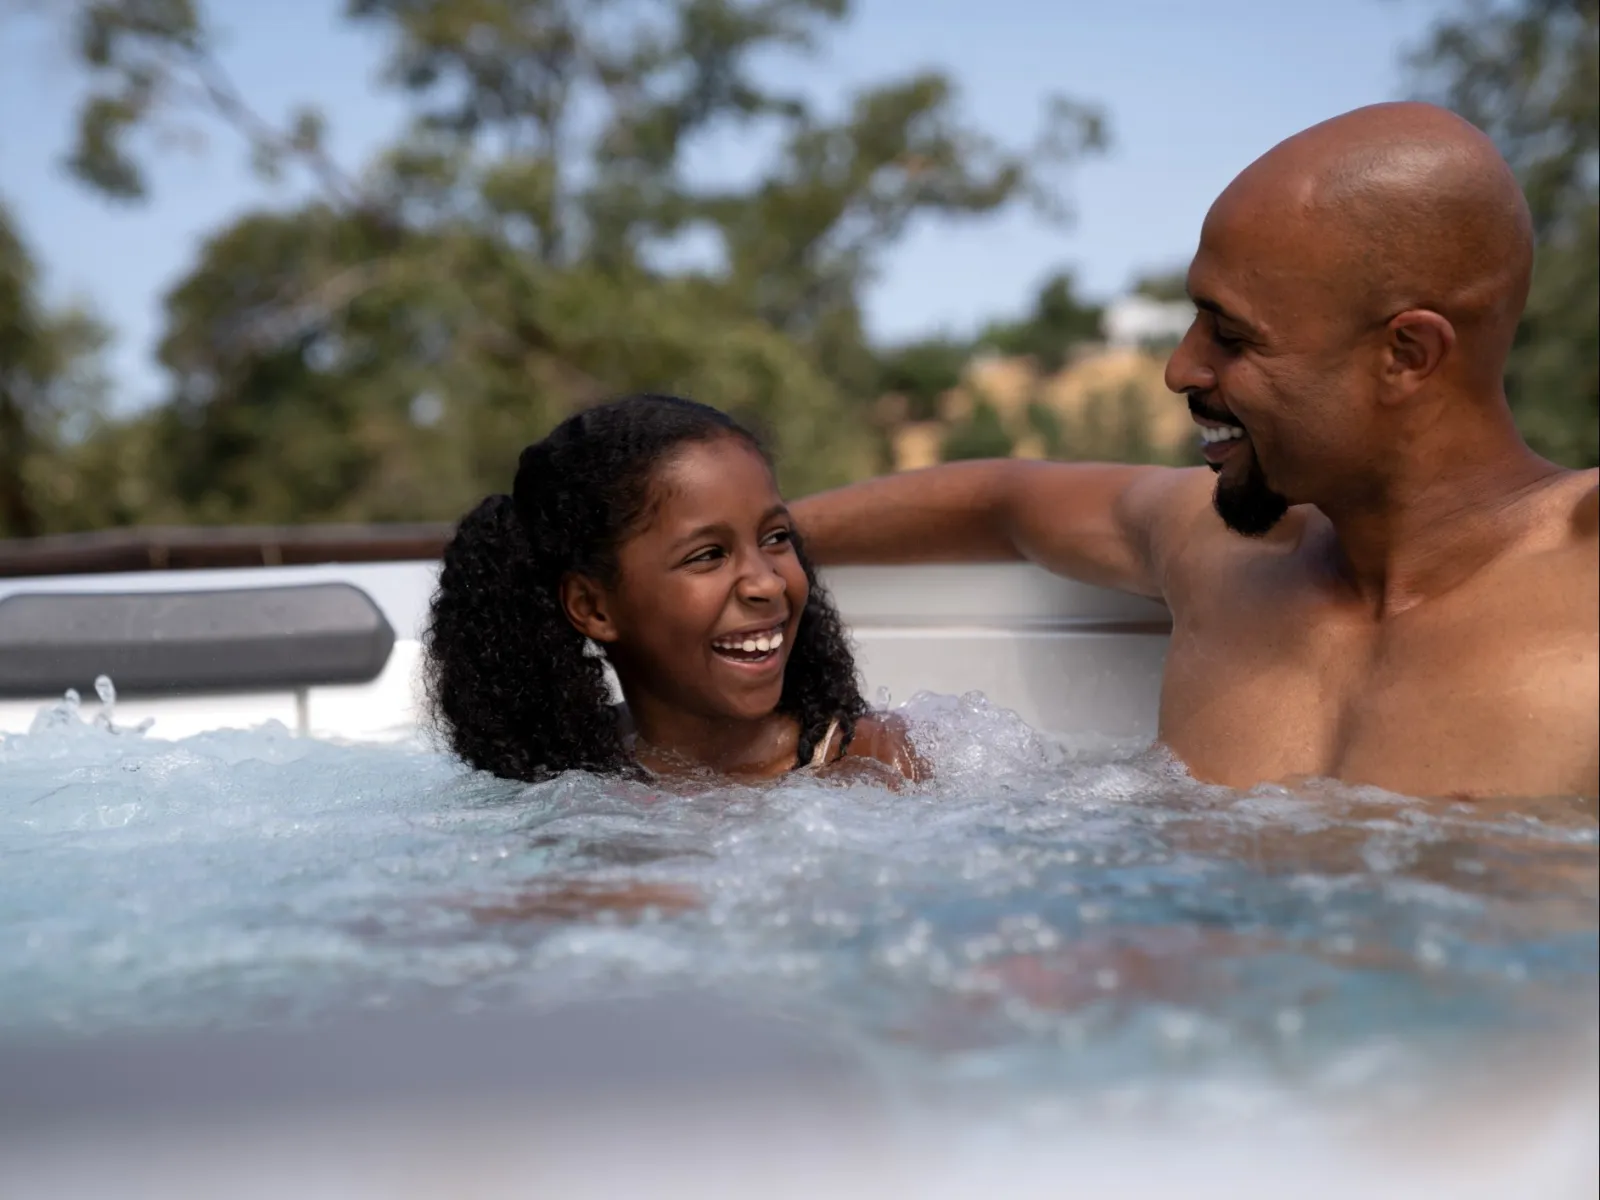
(1199,406)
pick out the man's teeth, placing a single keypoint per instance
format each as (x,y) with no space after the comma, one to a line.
(761,642)
(1210,434)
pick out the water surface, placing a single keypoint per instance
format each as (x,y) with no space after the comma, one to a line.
(1049,923)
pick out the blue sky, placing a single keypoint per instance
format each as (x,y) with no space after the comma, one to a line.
(1194,92)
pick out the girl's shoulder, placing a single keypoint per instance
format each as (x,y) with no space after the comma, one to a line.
(884,739)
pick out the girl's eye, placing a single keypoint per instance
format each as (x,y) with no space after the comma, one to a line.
(708,555)
(778,537)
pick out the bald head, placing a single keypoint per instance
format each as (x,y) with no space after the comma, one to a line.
(1389,208)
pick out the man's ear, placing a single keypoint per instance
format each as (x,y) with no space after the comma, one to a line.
(588,608)
(1419,342)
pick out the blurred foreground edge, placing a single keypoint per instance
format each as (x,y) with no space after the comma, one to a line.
(193,548)
(663,1096)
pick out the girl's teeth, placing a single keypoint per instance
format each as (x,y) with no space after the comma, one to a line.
(762,643)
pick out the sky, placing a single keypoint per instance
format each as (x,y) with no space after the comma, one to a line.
(1193,92)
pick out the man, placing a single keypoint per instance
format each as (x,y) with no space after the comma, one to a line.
(1383,584)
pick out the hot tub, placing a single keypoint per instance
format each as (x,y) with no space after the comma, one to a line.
(276,943)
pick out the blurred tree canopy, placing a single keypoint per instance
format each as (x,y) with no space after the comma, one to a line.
(384,351)
(51,395)
(921,372)
(1528,74)
(1059,321)
(536,239)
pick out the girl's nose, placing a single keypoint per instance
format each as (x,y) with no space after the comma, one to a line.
(760,583)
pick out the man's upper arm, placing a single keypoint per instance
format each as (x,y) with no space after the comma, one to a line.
(1108,525)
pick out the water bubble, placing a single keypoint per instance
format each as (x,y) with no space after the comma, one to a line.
(1430,953)
(1178,1028)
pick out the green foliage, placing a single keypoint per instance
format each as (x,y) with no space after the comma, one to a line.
(385,351)
(1112,427)
(922,372)
(1528,74)
(1045,423)
(51,394)
(982,435)
(1058,323)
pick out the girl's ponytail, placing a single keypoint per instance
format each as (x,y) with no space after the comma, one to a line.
(513,686)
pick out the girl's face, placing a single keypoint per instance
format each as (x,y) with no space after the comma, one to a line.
(709,592)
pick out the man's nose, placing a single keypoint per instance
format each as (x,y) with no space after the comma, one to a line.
(1186,369)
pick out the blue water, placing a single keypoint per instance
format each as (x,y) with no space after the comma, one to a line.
(1045,916)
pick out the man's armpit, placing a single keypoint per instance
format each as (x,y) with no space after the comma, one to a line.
(1164,514)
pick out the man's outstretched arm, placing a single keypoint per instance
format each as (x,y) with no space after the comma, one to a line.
(1102,523)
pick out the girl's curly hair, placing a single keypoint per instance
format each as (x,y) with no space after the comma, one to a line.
(514,688)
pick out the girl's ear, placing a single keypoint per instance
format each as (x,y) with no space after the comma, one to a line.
(587,608)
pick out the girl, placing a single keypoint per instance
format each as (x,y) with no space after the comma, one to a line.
(650,528)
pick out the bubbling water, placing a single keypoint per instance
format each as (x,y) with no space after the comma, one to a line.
(1045,918)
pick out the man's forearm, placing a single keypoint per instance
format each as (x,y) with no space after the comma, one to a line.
(950,513)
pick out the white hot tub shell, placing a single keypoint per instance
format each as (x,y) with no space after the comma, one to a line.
(1067,658)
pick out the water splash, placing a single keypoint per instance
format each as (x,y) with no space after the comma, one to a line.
(107,692)
(64,719)
(1047,918)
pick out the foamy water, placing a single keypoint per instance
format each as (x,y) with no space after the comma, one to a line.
(1048,928)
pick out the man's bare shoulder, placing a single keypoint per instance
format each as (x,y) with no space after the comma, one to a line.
(1574,535)
(1188,537)
(1170,508)
(1584,513)
(1565,520)
(1178,493)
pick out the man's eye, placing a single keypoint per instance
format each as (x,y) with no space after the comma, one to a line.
(1226,341)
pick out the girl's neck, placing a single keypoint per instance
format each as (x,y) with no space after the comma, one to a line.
(670,741)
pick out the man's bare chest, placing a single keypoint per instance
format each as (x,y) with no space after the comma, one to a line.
(1493,692)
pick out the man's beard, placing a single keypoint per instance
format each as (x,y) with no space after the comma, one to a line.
(1249,506)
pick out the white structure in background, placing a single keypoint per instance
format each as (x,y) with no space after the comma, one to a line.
(1138,320)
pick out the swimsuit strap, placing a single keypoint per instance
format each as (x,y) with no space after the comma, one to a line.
(819,756)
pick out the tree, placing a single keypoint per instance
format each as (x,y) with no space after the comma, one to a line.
(982,435)
(1528,74)
(384,352)
(922,372)
(51,391)
(1058,323)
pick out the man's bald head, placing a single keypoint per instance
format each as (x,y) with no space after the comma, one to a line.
(1355,284)
(1389,208)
